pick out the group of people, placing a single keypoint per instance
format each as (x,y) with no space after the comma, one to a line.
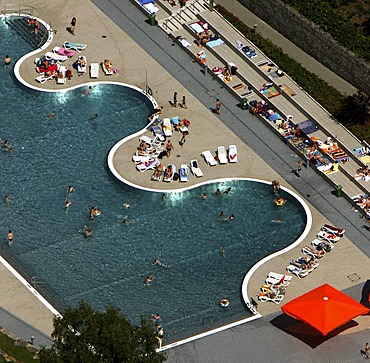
(34,25)
(224,217)
(362,173)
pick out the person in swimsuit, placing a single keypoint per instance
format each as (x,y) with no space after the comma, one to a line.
(10,237)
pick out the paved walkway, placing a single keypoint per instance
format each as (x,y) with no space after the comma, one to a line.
(169,69)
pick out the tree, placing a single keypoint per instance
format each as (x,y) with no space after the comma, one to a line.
(355,110)
(84,335)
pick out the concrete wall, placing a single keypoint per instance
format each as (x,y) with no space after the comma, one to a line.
(312,40)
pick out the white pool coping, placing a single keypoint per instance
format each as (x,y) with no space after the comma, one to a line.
(119,177)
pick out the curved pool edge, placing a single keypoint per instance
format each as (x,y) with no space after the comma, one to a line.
(254,268)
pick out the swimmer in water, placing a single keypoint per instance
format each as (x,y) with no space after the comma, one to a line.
(158,262)
(222,251)
(228,190)
(67,203)
(163,197)
(49,116)
(231,217)
(10,237)
(218,191)
(277,220)
(204,196)
(93,117)
(70,189)
(7,199)
(87,232)
(125,220)
(87,91)
(126,205)
(148,280)
(223,216)
(92,213)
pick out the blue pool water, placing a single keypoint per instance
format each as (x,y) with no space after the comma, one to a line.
(110,267)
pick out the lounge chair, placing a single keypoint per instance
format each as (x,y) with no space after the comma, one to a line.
(81,64)
(169,178)
(61,76)
(275,278)
(94,70)
(167,127)
(208,157)
(76,46)
(233,154)
(326,246)
(328,237)
(334,230)
(313,252)
(141,158)
(184,173)
(147,165)
(62,51)
(146,139)
(300,273)
(107,67)
(55,56)
(158,133)
(195,168)
(268,297)
(42,79)
(222,155)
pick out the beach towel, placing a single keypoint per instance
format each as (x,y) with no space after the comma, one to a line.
(215,43)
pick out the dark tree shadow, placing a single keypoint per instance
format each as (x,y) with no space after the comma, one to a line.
(306,333)
(365,295)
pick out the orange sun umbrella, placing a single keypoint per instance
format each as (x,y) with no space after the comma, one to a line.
(324,308)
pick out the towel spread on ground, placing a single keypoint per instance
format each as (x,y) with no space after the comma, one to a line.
(215,43)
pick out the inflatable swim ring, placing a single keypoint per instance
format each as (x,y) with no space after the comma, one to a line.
(280,202)
(224,303)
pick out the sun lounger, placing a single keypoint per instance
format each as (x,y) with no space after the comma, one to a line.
(326,246)
(275,278)
(233,154)
(300,273)
(328,237)
(147,165)
(76,46)
(42,79)
(167,127)
(94,70)
(184,173)
(141,158)
(222,155)
(55,56)
(195,168)
(266,297)
(208,157)
(107,67)
(313,252)
(62,51)
(158,133)
(61,77)
(169,178)
(334,230)
(146,139)
(81,64)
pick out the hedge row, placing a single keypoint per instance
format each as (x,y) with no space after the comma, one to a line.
(332,22)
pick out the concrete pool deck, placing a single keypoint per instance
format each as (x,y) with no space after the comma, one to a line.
(207,131)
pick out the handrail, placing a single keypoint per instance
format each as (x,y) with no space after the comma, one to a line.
(18,9)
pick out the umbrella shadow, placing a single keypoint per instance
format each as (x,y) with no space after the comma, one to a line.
(365,295)
(304,332)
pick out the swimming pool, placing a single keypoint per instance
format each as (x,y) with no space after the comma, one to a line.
(110,268)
